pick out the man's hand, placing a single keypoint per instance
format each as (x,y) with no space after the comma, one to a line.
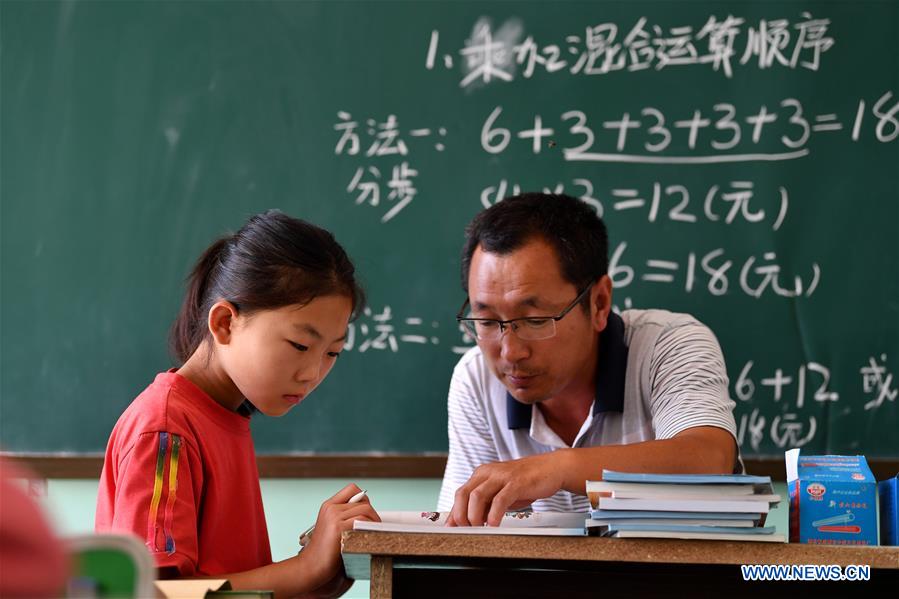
(497,487)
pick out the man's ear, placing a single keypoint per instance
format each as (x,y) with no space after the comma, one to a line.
(222,315)
(600,303)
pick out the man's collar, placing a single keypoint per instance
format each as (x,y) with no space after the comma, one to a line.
(611,367)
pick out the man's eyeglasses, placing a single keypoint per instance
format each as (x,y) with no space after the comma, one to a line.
(530,328)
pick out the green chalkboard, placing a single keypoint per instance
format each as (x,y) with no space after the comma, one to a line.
(744,156)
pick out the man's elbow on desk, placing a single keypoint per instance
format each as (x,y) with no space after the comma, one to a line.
(707,450)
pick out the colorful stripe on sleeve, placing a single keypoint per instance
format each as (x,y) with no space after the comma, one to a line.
(173,490)
(158,486)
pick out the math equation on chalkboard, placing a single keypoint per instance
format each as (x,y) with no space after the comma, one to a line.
(712,163)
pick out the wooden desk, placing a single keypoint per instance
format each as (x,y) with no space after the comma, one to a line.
(444,565)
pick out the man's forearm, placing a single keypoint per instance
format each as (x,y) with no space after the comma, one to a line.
(700,452)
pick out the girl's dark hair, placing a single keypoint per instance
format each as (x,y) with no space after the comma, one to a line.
(273,261)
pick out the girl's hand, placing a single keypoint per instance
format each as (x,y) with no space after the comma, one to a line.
(321,556)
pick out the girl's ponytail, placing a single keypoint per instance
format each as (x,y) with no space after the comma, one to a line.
(272,261)
(189,328)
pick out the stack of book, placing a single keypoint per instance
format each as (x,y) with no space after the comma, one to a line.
(682,506)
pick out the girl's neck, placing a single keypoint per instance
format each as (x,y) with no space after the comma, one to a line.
(204,370)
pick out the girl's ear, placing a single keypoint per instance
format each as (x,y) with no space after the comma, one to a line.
(222,315)
(600,303)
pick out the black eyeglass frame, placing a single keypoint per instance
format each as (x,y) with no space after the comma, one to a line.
(507,323)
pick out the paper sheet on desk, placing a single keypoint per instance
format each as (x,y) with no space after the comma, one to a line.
(525,523)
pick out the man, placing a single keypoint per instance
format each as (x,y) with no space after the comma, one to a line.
(559,387)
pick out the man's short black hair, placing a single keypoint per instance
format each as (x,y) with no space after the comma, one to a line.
(569,225)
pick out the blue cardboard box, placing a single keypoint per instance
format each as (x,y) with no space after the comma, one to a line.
(889,511)
(833,499)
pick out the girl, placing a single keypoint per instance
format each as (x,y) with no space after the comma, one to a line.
(263,321)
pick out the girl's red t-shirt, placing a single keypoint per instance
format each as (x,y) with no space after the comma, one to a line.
(180,473)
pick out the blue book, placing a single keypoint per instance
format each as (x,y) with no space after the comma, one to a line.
(752,530)
(686,479)
(713,533)
(635,514)
(889,511)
